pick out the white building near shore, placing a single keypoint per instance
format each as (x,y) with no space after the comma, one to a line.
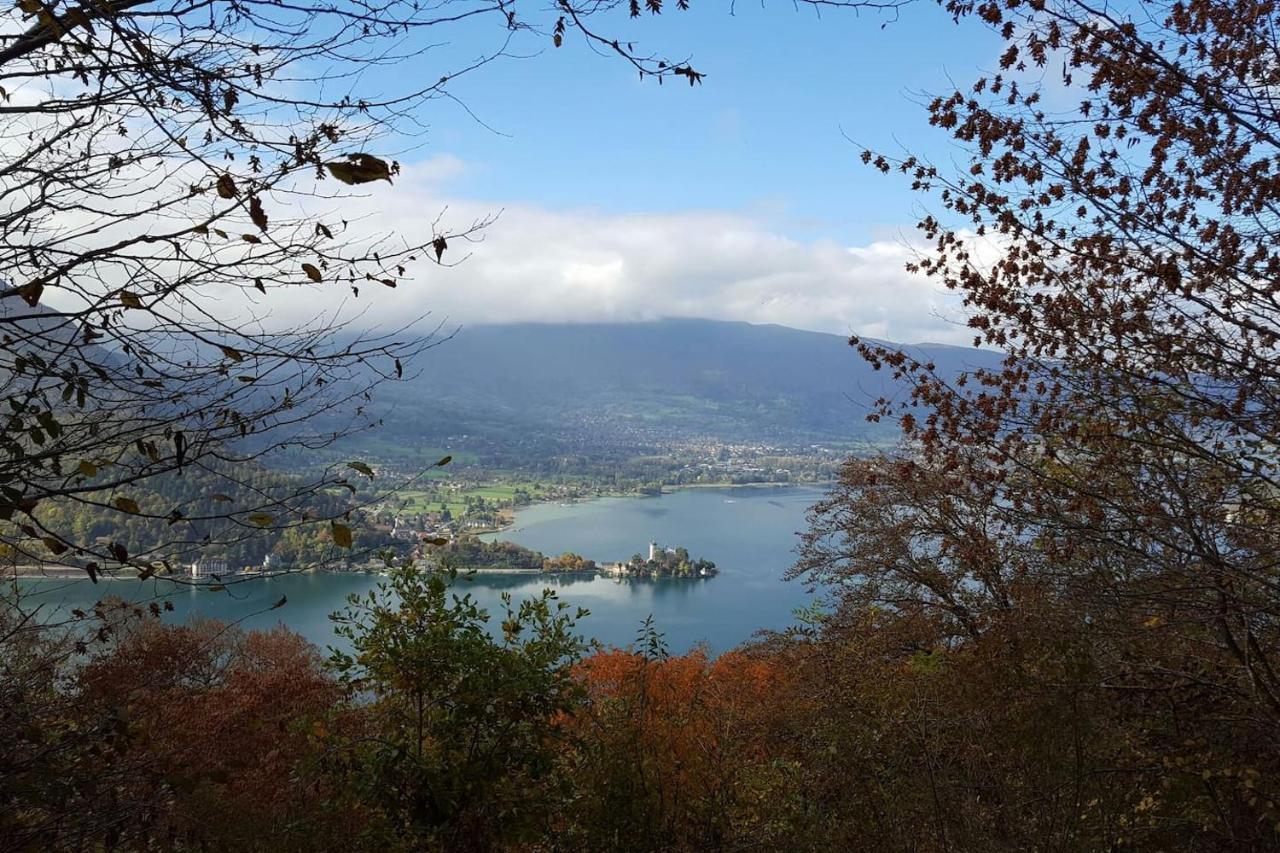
(203,568)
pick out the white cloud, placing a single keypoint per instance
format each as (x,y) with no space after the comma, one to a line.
(581,265)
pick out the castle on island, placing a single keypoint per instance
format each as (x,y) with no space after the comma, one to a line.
(656,551)
(663,561)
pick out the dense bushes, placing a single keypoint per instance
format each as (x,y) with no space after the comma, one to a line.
(877,729)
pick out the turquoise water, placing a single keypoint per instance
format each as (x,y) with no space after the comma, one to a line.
(750,533)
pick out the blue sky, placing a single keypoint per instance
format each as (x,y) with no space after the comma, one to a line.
(762,134)
(739,198)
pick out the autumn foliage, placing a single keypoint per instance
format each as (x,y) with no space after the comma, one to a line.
(1049,620)
(882,728)
(188,736)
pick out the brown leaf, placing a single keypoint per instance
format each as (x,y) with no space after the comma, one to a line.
(256,213)
(78,18)
(360,169)
(341,534)
(312,271)
(227,186)
(31,292)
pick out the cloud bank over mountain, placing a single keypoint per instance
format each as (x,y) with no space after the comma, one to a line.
(541,265)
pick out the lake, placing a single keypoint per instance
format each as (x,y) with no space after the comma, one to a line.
(749,532)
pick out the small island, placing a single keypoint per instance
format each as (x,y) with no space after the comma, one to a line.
(663,562)
(469,553)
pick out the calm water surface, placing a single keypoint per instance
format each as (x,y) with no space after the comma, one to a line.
(750,533)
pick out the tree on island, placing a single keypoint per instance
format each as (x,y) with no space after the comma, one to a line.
(568,562)
(671,563)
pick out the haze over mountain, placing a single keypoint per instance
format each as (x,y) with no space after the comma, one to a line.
(731,381)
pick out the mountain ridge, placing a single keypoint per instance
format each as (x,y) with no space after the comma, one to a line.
(722,380)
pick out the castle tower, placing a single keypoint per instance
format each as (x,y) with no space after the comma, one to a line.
(653,550)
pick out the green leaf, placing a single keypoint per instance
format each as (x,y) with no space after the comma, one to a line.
(261,519)
(362,468)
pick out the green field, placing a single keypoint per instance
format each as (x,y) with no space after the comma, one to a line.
(415,501)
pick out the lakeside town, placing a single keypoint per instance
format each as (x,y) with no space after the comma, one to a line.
(468,554)
(388,503)
(444,523)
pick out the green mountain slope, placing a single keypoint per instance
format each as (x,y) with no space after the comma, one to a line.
(631,383)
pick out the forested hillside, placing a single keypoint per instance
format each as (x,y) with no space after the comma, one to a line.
(635,381)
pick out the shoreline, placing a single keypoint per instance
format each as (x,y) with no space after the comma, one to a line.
(76,573)
(805,484)
(817,484)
